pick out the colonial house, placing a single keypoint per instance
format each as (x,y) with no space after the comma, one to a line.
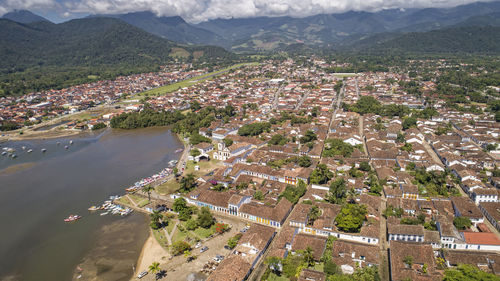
(408,233)
(484,195)
(223,153)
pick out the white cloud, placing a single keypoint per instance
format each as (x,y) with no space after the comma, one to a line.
(9,5)
(202,10)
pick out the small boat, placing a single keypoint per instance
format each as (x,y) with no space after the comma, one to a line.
(66,147)
(23,148)
(4,153)
(13,156)
(29,150)
(179,150)
(105,213)
(72,218)
(43,149)
(71,142)
(93,208)
(58,143)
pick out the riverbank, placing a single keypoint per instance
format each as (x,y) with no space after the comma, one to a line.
(151,252)
(50,186)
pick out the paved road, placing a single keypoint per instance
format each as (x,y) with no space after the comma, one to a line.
(299,105)
(277,97)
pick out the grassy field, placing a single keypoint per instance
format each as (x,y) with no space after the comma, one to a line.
(124,200)
(205,167)
(159,235)
(169,187)
(188,82)
(274,277)
(139,200)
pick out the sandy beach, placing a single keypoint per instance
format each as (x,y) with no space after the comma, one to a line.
(151,252)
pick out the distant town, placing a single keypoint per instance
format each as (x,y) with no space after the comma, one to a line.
(295,170)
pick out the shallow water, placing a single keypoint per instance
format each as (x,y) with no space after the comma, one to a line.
(38,190)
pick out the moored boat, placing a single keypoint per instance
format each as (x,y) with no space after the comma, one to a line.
(72,218)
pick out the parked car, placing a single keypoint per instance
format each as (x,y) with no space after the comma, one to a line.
(227,247)
(218,258)
(142,274)
(204,249)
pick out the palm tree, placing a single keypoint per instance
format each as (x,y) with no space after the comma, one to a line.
(155,268)
(148,189)
(155,219)
(309,256)
(351,195)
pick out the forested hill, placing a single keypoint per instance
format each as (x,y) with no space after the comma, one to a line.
(23,16)
(470,39)
(47,55)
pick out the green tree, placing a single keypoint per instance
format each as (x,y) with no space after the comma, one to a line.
(179,205)
(155,219)
(179,247)
(258,195)
(468,272)
(187,183)
(462,222)
(365,166)
(308,137)
(154,268)
(337,191)
(191,224)
(351,217)
(409,122)
(205,218)
(314,214)
(148,189)
(331,268)
(195,152)
(304,161)
(278,139)
(227,142)
(408,260)
(337,147)
(308,257)
(275,264)
(321,174)
(233,241)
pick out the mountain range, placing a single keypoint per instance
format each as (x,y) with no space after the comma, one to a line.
(40,55)
(350,30)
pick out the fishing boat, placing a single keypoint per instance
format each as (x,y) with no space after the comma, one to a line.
(72,218)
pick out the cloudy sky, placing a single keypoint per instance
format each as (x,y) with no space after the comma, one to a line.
(202,10)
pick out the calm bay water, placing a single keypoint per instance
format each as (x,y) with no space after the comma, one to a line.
(38,190)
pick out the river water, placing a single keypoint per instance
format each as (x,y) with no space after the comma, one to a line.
(38,190)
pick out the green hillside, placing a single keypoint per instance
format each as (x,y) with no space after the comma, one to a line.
(43,55)
(472,39)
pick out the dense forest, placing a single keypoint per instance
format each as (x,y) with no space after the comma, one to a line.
(44,55)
